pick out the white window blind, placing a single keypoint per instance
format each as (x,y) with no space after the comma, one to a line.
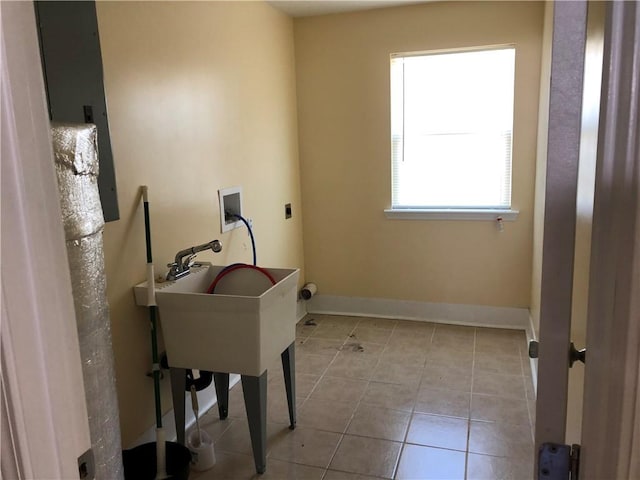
(451,129)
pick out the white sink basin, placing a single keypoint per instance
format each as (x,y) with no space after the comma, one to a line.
(242,328)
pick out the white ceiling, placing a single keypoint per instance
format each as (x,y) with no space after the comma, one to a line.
(307,8)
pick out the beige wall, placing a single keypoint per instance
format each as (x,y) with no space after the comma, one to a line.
(201,96)
(351,249)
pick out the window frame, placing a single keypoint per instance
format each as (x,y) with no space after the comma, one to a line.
(451,213)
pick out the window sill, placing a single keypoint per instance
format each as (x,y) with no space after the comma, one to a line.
(507,215)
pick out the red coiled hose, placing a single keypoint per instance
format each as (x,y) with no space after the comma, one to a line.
(223,273)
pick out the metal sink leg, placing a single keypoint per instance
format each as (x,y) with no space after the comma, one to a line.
(221,381)
(289,368)
(254,390)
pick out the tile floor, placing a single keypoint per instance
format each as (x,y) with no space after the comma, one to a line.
(391,399)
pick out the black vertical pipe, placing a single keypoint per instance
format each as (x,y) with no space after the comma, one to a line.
(153,319)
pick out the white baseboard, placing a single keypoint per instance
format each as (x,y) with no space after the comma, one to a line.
(472,315)
(206,400)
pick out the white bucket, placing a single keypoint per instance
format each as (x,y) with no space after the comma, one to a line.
(203,456)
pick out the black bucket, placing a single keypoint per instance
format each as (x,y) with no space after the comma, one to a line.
(140,462)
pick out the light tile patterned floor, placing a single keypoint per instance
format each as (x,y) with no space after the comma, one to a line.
(391,399)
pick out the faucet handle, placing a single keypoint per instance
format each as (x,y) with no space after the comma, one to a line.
(189,261)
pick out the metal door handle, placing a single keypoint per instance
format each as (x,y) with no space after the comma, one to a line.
(575,355)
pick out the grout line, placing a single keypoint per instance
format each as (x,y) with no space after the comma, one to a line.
(415,399)
(473,372)
(353,474)
(396,464)
(335,451)
(321,376)
(359,402)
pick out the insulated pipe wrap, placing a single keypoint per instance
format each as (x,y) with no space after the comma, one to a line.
(76,158)
(76,162)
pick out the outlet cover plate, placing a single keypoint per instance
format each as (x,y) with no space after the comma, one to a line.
(230,200)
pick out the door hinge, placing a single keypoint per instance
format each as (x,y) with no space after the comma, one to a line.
(559,462)
(86,466)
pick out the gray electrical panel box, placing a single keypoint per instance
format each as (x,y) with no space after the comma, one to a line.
(72,66)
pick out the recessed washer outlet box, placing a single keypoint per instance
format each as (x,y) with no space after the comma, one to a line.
(230,202)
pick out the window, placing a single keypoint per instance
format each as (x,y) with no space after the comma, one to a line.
(451,129)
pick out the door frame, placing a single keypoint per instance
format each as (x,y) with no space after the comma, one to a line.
(563,152)
(43,412)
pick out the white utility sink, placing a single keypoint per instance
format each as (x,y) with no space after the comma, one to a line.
(242,328)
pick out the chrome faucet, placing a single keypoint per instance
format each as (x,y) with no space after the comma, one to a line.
(184,259)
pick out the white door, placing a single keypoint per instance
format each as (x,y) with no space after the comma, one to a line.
(611,418)
(611,424)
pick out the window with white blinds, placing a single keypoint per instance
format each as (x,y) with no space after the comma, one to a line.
(451,129)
